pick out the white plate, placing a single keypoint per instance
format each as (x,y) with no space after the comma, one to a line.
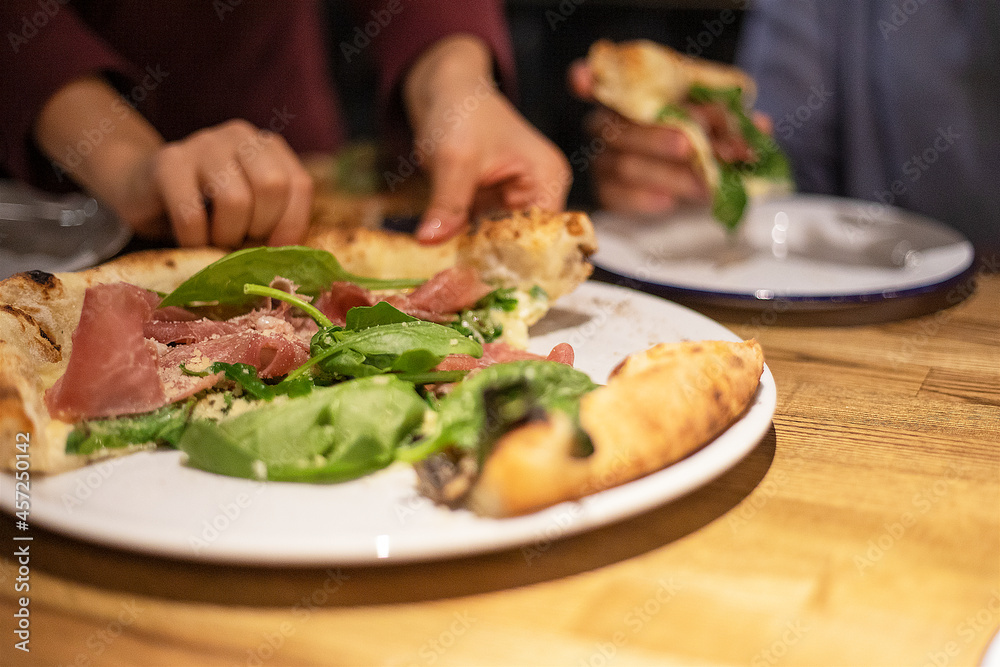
(811,250)
(48,232)
(150,502)
(991,658)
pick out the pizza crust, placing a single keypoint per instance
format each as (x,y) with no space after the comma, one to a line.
(520,249)
(38,314)
(638,78)
(659,406)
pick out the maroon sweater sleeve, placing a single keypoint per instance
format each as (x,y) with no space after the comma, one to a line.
(400,30)
(47,46)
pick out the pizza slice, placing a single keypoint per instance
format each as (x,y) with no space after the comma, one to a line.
(650,83)
(507,445)
(488,293)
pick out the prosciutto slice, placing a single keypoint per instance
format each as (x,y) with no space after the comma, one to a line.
(189,331)
(112,369)
(272,353)
(449,291)
(499,352)
(437,300)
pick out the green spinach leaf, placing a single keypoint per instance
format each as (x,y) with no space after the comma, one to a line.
(163,426)
(335,433)
(313,270)
(730,197)
(477,412)
(382,339)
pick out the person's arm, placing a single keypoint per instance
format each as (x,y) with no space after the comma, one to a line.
(259,192)
(481,154)
(438,60)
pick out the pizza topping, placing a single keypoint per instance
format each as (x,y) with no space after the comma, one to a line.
(311,269)
(449,291)
(335,433)
(190,331)
(488,404)
(740,148)
(500,352)
(272,353)
(112,369)
(340,298)
(382,339)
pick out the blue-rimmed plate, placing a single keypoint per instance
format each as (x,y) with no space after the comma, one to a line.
(812,252)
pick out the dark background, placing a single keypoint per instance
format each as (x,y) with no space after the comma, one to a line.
(548,35)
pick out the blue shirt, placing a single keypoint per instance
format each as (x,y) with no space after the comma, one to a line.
(894,101)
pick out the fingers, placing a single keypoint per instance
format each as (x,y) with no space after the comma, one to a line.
(258,189)
(454,175)
(291,227)
(763,122)
(180,190)
(616,196)
(659,142)
(580,79)
(226,185)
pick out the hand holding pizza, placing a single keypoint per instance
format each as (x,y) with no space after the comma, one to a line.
(648,168)
(480,153)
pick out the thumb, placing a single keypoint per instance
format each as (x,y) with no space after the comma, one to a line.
(580,80)
(453,186)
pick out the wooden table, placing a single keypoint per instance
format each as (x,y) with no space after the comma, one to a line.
(863,530)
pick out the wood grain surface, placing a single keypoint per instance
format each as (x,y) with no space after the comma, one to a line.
(864,529)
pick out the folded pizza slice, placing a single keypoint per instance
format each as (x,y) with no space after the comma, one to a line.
(514,440)
(653,84)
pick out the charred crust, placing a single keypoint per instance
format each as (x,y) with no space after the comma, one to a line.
(447,477)
(42,278)
(33,323)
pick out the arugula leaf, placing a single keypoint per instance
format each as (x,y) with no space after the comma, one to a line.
(771,161)
(477,412)
(245,375)
(313,270)
(365,317)
(334,434)
(364,348)
(163,426)
(730,197)
(478,322)
(672,111)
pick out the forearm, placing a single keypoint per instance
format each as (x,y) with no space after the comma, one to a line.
(456,67)
(103,144)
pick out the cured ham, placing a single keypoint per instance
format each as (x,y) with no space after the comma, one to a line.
(437,300)
(499,352)
(190,331)
(112,370)
(449,291)
(340,298)
(272,353)
(128,355)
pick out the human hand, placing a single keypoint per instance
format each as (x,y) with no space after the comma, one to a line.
(257,188)
(649,169)
(480,153)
